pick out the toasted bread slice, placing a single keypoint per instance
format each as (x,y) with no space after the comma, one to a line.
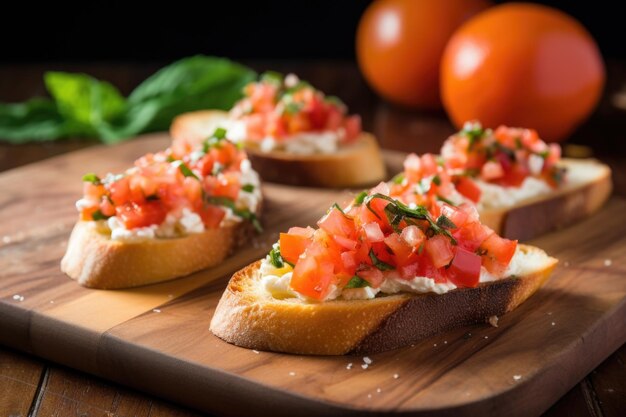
(249,316)
(96,261)
(357,164)
(588,187)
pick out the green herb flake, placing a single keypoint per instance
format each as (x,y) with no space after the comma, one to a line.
(275,257)
(248,188)
(383,266)
(357,282)
(243,213)
(92,178)
(272,77)
(293,107)
(335,101)
(445,222)
(97,215)
(445,200)
(360,197)
(170,158)
(398,179)
(437,180)
(544,154)
(185,170)
(220,133)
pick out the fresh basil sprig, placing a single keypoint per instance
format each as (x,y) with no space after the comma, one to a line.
(243,213)
(397,211)
(275,257)
(383,266)
(357,282)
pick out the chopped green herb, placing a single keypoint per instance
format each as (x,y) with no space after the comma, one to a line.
(185,170)
(445,200)
(243,213)
(220,133)
(272,77)
(92,178)
(445,222)
(544,154)
(170,158)
(334,100)
(398,178)
(518,143)
(437,180)
(275,258)
(420,249)
(474,132)
(293,107)
(481,252)
(360,197)
(383,266)
(397,211)
(97,215)
(357,282)
(248,188)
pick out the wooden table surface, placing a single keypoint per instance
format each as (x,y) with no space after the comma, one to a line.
(30,386)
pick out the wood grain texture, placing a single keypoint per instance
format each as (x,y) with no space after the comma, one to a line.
(551,342)
(19,381)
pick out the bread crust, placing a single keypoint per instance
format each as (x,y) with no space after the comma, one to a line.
(357,164)
(96,261)
(248,316)
(564,206)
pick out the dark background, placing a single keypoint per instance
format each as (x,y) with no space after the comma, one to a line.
(127,31)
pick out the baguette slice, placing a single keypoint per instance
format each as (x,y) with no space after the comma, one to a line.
(355,165)
(248,316)
(588,189)
(96,261)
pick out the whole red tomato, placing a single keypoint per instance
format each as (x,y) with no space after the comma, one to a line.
(399,45)
(522,65)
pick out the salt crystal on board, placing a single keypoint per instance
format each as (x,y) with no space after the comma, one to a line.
(367,360)
(349,366)
(608,262)
(255,351)
(517,377)
(396,376)
(156,310)
(292,373)
(493,320)
(364,366)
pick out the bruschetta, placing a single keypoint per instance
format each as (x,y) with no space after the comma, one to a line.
(294,134)
(377,275)
(173,213)
(520,185)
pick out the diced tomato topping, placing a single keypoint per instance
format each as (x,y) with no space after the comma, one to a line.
(135,215)
(293,245)
(468,188)
(492,170)
(373,233)
(464,270)
(337,223)
(211,215)
(413,236)
(454,214)
(312,277)
(496,253)
(439,249)
(399,247)
(372,275)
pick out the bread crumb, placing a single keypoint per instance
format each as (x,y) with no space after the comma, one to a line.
(566,264)
(349,366)
(364,366)
(292,373)
(369,395)
(156,310)
(51,301)
(18,297)
(493,320)
(378,390)
(445,342)
(517,377)
(608,262)
(549,313)
(553,323)
(6,239)
(486,337)
(434,344)
(367,360)
(170,296)
(255,351)
(610,390)
(396,376)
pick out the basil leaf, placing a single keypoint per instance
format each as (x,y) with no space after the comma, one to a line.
(383,266)
(97,215)
(36,120)
(248,188)
(445,200)
(92,178)
(273,77)
(360,197)
(398,178)
(437,180)
(357,282)
(243,213)
(445,222)
(220,133)
(275,258)
(185,170)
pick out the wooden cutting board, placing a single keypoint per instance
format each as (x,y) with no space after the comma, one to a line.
(157,338)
